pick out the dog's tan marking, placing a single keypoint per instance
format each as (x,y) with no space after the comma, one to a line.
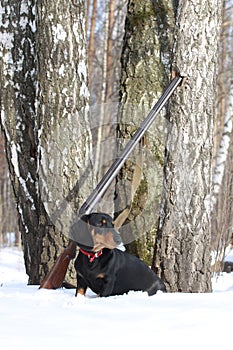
(100,275)
(97,245)
(80,291)
(97,248)
(107,240)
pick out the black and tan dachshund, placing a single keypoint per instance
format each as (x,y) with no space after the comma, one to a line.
(104,268)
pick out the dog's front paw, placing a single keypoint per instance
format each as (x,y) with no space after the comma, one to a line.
(80,291)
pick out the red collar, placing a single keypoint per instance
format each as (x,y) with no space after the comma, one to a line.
(91,256)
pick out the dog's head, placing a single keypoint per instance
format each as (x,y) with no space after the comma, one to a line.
(95,231)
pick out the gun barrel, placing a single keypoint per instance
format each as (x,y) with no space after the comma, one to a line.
(112,172)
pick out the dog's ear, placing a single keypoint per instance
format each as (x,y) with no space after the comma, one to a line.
(80,232)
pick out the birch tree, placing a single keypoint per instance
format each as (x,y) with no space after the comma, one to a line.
(224,117)
(91,45)
(43,80)
(182,249)
(145,67)
(105,34)
(8,222)
(221,202)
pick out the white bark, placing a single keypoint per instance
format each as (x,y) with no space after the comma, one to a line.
(183,244)
(224,145)
(64,136)
(43,78)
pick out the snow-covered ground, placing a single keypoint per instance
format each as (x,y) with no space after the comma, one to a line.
(48,319)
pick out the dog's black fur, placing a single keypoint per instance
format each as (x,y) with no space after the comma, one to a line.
(114,272)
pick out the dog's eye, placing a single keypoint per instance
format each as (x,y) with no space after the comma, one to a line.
(101,223)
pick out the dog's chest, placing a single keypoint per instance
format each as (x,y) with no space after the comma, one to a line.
(94,269)
(95,274)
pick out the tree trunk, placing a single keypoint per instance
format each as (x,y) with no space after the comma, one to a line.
(145,65)
(105,43)
(222,215)
(8,222)
(109,88)
(222,210)
(224,145)
(88,3)
(91,47)
(43,84)
(182,249)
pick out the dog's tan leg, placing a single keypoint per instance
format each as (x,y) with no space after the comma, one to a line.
(80,291)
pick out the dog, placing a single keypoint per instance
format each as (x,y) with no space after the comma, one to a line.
(106,270)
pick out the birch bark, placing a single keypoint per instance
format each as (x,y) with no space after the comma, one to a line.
(145,66)
(182,250)
(43,81)
(221,202)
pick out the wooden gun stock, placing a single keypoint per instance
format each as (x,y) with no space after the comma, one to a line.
(56,276)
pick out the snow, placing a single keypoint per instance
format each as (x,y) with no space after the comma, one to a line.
(54,319)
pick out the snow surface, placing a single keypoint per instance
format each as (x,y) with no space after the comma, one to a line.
(54,319)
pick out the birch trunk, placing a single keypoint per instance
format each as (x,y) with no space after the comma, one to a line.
(223,149)
(224,106)
(145,66)
(110,53)
(222,210)
(91,46)
(43,83)
(182,250)
(9,232)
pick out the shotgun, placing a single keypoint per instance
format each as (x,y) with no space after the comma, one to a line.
(57,274)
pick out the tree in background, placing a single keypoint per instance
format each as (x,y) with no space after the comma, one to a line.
(9,233)
(222,205)
(105,30)
(43,79)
